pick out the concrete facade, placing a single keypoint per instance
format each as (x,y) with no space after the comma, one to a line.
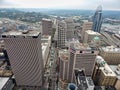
(47,27)
(25,54)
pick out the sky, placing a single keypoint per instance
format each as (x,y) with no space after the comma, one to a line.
(61,4)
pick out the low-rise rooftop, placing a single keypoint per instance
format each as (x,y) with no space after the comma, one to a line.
(3,81)
(112,49)
(45,37)
(105,68)
(44,47)
(80,46)
(99,60)
(116,69)
(107,71)
(64,54)
(92,32)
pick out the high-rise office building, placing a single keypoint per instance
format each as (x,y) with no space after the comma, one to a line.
(70,28)
(81,57)
(61,34)
(85,26)
(97,19)
(25,54)
(46,27)
(63,68)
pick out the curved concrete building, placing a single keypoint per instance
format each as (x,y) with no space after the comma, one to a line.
(25,54)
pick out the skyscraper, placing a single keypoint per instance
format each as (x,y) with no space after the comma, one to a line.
(70,28)
(81,57)
(61,30)
(63,68)
(25,54)
(97,19)
(85,26)
(46,27)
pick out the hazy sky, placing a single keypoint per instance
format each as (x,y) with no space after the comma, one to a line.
(61,4)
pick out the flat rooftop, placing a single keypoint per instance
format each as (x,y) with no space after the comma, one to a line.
(105,68)
(3,81)
(26,33)
(92,32)
(116,70)
(44,47)
(111,49)
(108,71)
(45,37)
(84,21)
(80,46)
(99,60)
(45,19)
(64,54)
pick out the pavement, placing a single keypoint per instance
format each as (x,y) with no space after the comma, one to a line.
(51,76)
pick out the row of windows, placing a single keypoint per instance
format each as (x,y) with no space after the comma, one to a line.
(25,60)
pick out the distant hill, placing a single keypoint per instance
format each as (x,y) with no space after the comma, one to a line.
(22,15)
(57,12)
(73,12)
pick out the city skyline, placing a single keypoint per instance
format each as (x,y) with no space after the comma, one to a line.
(61,4)
(57,49)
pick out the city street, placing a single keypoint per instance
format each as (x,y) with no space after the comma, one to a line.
(50,71)
(53,73)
